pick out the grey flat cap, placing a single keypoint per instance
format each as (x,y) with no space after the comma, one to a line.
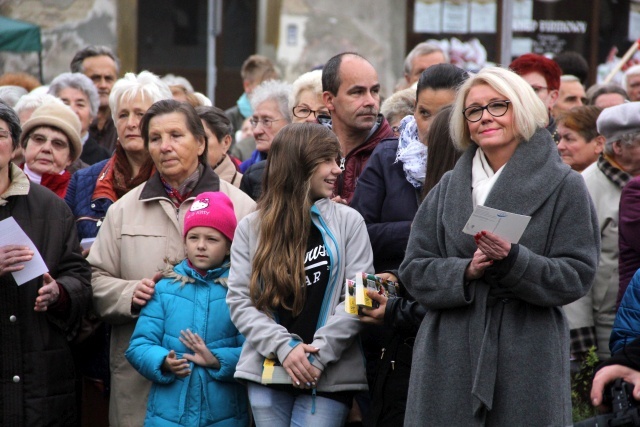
(620,120)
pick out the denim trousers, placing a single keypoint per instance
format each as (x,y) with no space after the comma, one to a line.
(275,408)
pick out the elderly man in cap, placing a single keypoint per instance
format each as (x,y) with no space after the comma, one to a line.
(591,317)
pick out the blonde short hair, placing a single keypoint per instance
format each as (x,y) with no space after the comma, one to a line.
(311,81)
(529,113)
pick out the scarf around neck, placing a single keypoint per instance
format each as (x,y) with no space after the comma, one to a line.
(482,177)
(116,178)
(412,152)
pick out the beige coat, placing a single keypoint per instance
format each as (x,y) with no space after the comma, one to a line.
(227,170)
(598,307)
(139,232)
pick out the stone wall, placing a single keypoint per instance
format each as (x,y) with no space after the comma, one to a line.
(66,27)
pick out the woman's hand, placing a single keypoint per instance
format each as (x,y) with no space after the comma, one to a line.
(180,367)
(493,246)
(609,374)
(48,294)
(303,373)
(202,355)
(12,258)
(374,316)
(476,267)
(144,291)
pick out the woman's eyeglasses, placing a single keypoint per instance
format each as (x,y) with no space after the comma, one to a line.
(265,122)
(495,108)
(304,112)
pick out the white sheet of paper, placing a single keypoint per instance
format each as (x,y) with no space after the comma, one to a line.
(87,242)
(507,225)
(12,234)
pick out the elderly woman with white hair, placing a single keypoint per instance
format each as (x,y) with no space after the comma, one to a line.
(271,112)
(78,92)
(305,100)
(270,105)
(94,189)
(494,343)
(305,104)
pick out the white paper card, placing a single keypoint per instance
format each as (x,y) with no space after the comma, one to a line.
(12,234)
(87,242)
(507,225)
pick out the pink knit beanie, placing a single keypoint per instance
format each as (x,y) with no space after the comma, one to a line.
(212,209)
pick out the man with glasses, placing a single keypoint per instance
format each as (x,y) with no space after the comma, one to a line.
(351,93)
(543,74)
(270,104)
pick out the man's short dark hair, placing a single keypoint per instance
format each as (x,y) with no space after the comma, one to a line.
(331,72)
(89,52)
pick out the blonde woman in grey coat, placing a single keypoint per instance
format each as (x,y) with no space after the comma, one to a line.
(493,348)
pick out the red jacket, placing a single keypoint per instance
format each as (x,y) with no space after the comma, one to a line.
(353,164)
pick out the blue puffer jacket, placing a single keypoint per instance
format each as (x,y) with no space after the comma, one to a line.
(207,397)
(626,327)
(89,213)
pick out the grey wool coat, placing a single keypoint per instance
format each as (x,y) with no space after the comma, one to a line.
(495,351)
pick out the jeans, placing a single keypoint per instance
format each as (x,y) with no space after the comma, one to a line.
(275,408)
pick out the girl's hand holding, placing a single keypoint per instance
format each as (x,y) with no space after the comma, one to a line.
(302,373)
(202,355)
(180,367)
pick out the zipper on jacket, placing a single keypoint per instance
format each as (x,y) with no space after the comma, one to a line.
(342,160)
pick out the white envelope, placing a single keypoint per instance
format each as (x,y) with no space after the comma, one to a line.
(507,225)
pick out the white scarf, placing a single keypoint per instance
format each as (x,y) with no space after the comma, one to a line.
(482,178)
(411,152)
(33,176)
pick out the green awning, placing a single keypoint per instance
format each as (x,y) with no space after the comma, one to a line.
(19,36)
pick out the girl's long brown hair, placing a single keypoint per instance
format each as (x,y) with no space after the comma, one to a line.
(277,271)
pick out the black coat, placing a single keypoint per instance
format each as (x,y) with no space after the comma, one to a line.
(36,367)
(93,153)
(252,180)
(388,203)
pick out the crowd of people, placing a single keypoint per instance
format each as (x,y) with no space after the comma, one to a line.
(197,257)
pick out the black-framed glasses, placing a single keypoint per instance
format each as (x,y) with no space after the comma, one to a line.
(303,112)
(265,122)
(495,108)
(5,134)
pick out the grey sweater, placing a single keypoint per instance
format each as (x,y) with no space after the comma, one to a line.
(340,357)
